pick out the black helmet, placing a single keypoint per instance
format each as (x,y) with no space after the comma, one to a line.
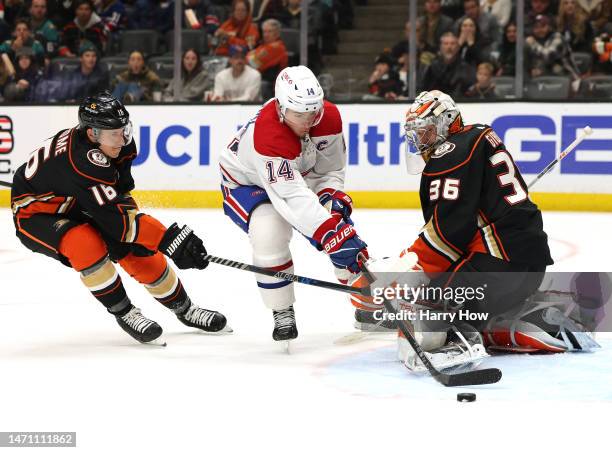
(103,111)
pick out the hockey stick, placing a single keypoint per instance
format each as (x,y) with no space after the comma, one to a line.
(475,377)
(289,277)
(6,184)
(586,131)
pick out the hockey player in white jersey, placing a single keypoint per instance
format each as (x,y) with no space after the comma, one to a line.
(283,170)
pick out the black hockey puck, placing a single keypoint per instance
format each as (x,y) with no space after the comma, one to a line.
(466,397)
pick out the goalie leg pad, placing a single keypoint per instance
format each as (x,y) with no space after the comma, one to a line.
(539,327)
(270,234)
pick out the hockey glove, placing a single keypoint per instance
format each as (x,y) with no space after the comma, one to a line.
(184,247)
(339,204)
(344,247)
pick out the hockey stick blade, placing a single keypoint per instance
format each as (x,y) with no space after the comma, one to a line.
(475,377)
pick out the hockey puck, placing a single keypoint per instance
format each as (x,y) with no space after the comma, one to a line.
(466,397)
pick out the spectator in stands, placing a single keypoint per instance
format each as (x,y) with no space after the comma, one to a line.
(23,83)
(87,79)
(270,57)
(203,16)
(547,52)
(43,28)
(484,88)
(113,16)
(238,30)
(507,53)
(434,25)
(470,44)
(194,80)
(404,74)
(13,10)
(602,48)
(452,8)
(137,82)
(61,12)
(537,8)
(86,26)
(599,12)
(267,9)
(22,38)
(290,17)
(384,82)
(152,15)
(239,82)
(400,51)
(502,10)
(489,30)
(448,72)
(573,24)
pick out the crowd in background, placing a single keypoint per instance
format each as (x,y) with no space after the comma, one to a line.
(64,50)
(464,46)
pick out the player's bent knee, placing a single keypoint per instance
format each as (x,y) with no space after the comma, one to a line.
(83,246)
(144,269)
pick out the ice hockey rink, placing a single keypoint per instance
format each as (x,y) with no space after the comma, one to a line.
(65,365)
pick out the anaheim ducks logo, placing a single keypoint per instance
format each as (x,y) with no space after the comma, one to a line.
(443,149)
(97,157)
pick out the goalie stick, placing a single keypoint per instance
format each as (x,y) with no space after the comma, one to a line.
(586,131)
(475,377)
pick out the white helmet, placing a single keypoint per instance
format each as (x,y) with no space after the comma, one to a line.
(298,89)
(431,117)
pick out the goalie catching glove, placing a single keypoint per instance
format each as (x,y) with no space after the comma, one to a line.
(183,247)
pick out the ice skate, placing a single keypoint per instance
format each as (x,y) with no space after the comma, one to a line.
(284,326)
(139,327)
(203,319)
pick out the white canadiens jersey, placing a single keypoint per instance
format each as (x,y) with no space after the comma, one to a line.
(292,171)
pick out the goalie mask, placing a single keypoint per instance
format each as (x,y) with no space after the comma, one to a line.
(431,118)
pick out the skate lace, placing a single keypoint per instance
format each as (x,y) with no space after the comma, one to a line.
(136,320)
(200,316)
(284,319)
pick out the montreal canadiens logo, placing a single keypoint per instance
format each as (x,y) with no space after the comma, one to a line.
(443,149)
(322,145)
(96,157)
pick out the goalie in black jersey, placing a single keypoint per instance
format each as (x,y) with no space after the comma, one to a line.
(71,201)
(481,230)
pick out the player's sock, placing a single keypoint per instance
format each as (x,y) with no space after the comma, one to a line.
(105,284)
(284,324)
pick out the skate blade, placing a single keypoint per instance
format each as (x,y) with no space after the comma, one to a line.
(227,330)
(158,342)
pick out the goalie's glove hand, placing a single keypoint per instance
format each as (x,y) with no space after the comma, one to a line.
(183,247)
(339,204)
(346,250)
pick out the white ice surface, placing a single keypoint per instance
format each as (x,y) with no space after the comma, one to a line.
(66,366)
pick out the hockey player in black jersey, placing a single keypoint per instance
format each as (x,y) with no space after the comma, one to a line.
(481,230)
(71,201)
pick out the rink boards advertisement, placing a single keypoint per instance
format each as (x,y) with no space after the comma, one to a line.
(179,147)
